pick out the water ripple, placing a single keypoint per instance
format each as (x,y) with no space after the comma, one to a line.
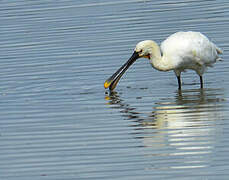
(57,123)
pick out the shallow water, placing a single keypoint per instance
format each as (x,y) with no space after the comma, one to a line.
(58,122)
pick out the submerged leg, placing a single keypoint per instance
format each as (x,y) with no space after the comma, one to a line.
(179,82)
(201,82)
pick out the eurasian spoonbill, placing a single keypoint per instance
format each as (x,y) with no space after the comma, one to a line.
(180,51)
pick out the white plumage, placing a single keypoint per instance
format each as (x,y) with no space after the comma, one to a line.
(180,51)
(190,50)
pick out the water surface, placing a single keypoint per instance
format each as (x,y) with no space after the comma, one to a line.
(58,122)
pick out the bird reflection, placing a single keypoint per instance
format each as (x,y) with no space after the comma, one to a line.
(186,123)
(186,104)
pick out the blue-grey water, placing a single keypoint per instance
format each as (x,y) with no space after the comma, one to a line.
(57,122)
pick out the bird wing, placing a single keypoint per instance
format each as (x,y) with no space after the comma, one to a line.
(190,47)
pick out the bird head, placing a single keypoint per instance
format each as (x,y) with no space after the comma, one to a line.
(143,49)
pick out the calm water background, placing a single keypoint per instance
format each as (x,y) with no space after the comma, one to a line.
(57,121)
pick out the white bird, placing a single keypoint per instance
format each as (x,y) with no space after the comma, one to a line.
(180,51)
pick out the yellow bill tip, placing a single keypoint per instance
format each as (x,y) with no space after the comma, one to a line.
(107,84)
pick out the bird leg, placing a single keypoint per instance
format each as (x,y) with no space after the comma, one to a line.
(179,82)
(201,82)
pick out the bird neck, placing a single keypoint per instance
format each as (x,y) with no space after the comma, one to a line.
(159,62)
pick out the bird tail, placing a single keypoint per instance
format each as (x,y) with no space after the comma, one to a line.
(218,50)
